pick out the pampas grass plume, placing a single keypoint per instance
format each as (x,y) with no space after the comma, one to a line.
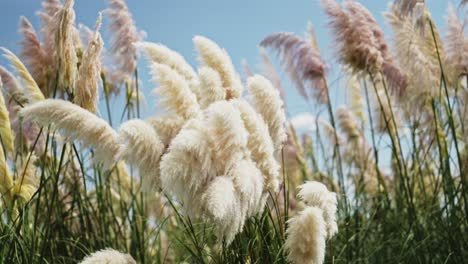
(306,236)
(316,194)
(6,134)
(31,88)
(142,148)
(161,54)
(107,256)
(77,123)
(175,91)
(89,74)
(268,103)
(217,58)
(65,50)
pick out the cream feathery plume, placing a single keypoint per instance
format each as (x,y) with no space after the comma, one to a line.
(175,91)
(211,87)
(27,182)
(316,194)
(268,103)
(348,124)
(166,126)
(77,123)
(142,148)
(260,144)
(161,54)
(89,74)
(222,205)
(125,35)
(33,93)
(187,166)
(405,7)
(217,58)
(357,101)
(228,134)
(6,179)
(33,53)
(410,46)
(219,199)
(306,237)
(108,256)
(6,134)
(65,56)
(457,44)
(248,181)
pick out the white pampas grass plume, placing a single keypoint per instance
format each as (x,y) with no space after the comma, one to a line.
(186,168)
(65,51)
(219,198)
(228,134)
(316,194)
(223,207)
(77,123)
(217,58)
(90,72)
(457,44)
(210,87)
(6,134)
(175,91)
(125,35)
(248,181)
(161,54)
(260,144)
(166,126)
(268,103)
(142,148)
(33,53)
(357,100)
(31,88)
(306,237)
(107,256)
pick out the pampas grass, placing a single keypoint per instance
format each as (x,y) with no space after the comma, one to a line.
(30,88)
(89,74)
(108,256)
(64,47)
(300,57)
(76,123)
(213,175)
(6,134)
(215,57)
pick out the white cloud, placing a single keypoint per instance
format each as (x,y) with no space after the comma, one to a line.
(304,122)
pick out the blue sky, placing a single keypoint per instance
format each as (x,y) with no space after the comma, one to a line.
(238,26)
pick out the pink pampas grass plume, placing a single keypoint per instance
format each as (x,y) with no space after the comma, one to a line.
(34,54)
(302,61)
(125,35)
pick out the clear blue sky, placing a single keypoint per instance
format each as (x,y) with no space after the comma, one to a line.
(236,25)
